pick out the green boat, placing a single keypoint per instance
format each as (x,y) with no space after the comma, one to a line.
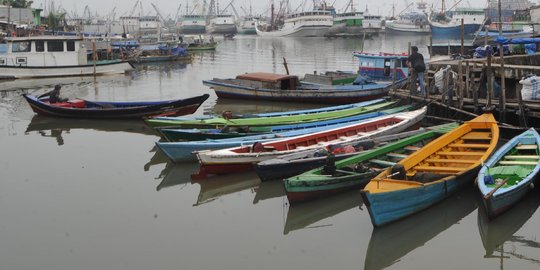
(356,171)
(220,122)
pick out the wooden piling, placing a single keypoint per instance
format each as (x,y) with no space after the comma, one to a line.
(462,38)
(460,85)
(467,79)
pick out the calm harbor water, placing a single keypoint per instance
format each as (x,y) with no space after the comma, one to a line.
(91,194)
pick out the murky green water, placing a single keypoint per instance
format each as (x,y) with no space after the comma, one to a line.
(95,195)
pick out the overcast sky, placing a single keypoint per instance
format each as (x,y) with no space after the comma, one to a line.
(169,7)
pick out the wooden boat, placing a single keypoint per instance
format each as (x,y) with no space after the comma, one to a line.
(432,173)
(290,165)
(220,122)
(355,171)
(196,134)
(79,108)
(243,158)
(182,151)
(508,175)
(277,87)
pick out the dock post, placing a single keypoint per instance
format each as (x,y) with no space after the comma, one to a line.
(489,76)
(459,82)
(467,79)
(502,92)
(462,38)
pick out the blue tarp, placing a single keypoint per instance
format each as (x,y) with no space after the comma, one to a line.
(503,40)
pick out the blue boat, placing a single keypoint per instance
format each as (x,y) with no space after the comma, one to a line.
(172,135)
(381,66)
(449,27)
(182,151)
(508,175)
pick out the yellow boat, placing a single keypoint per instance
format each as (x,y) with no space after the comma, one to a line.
(432,173)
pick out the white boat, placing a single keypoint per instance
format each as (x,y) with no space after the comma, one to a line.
(193,24)
(411,22)
(243,158)
(52,56)
(303,24)
(246,26)
(222,24)
(372,22)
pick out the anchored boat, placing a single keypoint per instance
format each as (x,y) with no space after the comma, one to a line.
(508,175)
(52,56)
(432,173)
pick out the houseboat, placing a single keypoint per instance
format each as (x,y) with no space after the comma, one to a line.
(303,24)
(52,56)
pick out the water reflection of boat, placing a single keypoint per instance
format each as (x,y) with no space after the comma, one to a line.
(176,174)
(218,186)
(43,123)
(390,243)
(269,190)
(156,159)
(303,215)
(503,229)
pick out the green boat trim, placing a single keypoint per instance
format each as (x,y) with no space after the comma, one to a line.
(384,156)
(220,122)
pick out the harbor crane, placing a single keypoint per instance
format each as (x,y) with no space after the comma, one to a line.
(231,4)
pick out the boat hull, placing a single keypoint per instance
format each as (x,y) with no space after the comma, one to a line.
(23,72)
(453,31)
(178,107)
(388,207)
(302,31)
(329,96)
(222,29)
(408,30)
(505,197)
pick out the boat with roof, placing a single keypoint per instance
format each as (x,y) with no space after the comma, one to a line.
(52,56)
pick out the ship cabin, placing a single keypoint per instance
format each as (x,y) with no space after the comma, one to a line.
(380,66)
(44,51)
(262,80)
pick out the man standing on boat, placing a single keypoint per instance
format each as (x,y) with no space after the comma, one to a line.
(417,67)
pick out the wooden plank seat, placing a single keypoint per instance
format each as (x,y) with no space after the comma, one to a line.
(457,161)
(438,169)
(396,155)
(477,136)
(470,145)
(527,147)
(444,153)
(382,162)
(517,162)
(522,157)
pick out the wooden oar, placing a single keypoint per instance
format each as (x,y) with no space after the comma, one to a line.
(496,188)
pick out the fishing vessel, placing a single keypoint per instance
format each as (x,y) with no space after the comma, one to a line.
(79,108)
(410,21)
(193,24)
(508,175)
(246,26)
(448,27)
(304,24)
(222,24)
(281,87)
(244,158)
(52,56)
(432,173)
